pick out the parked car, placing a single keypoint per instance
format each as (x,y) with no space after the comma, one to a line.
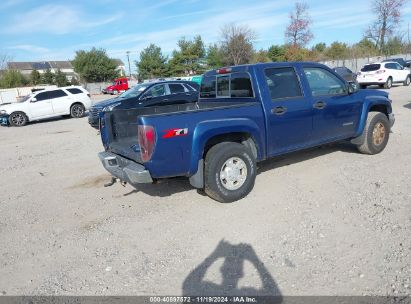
(346,73)
(148,95)
(245,115)
(119,85)
(400,61)
(383,74)
(73,101)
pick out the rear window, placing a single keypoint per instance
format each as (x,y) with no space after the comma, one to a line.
(235,85)
(75,91)
(371,67)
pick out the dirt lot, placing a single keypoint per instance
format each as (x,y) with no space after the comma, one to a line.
(328,221)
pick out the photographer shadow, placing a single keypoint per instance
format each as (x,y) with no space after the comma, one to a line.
(232,271)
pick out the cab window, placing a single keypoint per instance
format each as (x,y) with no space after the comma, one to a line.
(282,83)
(323,83)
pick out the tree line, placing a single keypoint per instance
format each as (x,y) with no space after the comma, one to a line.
(236,46)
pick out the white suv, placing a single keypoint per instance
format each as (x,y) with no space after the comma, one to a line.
(73,101)
(383,74)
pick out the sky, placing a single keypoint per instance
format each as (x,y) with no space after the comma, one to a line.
(53,30)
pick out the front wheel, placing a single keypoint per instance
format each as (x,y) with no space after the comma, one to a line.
(407,81)
(77,110)
(18,119)
(230,172)
(376,133)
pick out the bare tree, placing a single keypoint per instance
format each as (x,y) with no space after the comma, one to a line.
(388,16)
(4,59)
(298,33)
(237,44)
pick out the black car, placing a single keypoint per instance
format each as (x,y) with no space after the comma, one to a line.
(346,73)
(398,60)
(151,94)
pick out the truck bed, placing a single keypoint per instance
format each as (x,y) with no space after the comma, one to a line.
(122,124)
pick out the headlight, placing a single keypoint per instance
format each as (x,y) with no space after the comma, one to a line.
(111,107)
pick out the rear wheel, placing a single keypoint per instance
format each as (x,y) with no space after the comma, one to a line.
(407,81)
(388,84)
(376,133)
(363,86)
(230,172)
(77,110)
(18,119)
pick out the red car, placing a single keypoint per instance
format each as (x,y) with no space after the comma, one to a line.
(119,85)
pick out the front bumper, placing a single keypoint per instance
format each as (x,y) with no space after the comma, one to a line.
(391,118)
(93,121)
(125,169)
(4,120)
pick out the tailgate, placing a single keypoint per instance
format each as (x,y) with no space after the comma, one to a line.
(122,131)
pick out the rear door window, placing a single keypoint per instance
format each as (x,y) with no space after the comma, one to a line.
(371,68)
(56,94)
(282,83)
(176,88)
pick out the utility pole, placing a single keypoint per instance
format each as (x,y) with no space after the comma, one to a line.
(128,59)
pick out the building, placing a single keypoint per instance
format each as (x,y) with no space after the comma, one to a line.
(65,66)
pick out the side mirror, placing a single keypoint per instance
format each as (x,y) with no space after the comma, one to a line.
(352,87)
(34,99)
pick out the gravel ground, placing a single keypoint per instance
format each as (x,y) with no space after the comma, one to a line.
(328,221)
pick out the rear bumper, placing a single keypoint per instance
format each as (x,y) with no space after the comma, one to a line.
(125,169)
(368,83)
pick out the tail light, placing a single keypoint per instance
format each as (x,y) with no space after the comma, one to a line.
(147,141)
(380,72)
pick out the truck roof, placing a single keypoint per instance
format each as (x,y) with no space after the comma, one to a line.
(246,67)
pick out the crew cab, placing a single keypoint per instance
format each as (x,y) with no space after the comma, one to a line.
(383,74)
(245,114)
(47,103)
(147,95)
(119,85)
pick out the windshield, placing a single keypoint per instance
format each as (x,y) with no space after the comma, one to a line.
(371,67)
(24,98)
(134,91)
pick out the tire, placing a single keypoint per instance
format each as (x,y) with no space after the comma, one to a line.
(18,119)
(388,84)
(376,133)
(407,81)
(77,110)
(220,182)
(363,86)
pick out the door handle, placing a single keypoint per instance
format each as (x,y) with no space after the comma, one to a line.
(188,94)
(320,105)
(165,99)
(279,110)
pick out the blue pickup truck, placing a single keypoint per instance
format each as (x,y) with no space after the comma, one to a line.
(245,114)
